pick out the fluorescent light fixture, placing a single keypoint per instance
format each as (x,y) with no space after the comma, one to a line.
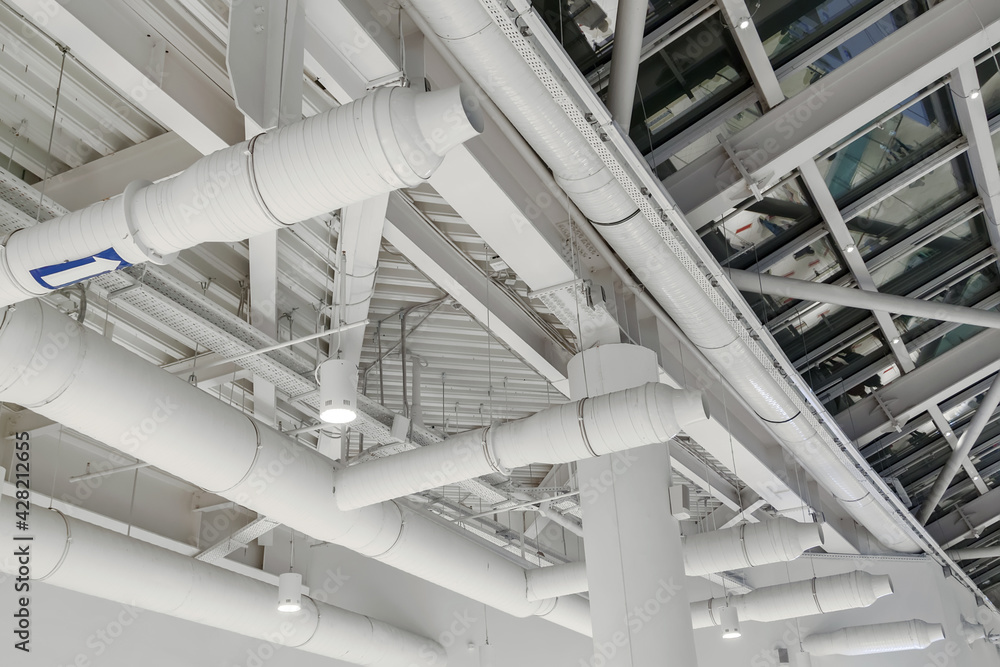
(730,623)
(289,592)
(338,391)
(744,23)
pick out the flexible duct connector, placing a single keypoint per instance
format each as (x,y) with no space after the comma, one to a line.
(873,639)
(477,41)
(748,545)
(390,139)
(80,379)
(590,427)
(79,556)
(821,595)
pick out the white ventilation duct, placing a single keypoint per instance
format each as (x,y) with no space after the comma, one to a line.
(748,545)
(821,595)
(874,639)
(390,139)
(76,377)
(79,556)
(479,44)
(644,415)
(556,580)
(974,554)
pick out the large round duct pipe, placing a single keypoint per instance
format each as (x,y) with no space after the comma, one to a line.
(748,545)
(470,33)
(645,415)
(822,595)
(79,556)
(74,376)
(874,639)
(556,580)
(390,139)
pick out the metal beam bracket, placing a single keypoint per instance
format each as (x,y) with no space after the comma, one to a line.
(755,187)
(885,408)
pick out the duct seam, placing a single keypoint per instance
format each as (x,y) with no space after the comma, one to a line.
(253,463)
(66,546)
(316,626)
(255,186)
(583,427)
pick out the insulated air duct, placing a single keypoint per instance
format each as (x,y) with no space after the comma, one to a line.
(974,554)
(79,556)
(477,41)
(801,598)
(748,545)
(556,580)
(873,639)
(590,427)
(55,367)
(390,139)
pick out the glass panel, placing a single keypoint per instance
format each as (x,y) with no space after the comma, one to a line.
(788,27)
(748,236)
(920,265)
(683,80)
(886,458)
(967,292)
(843,365)
(817,262)
(586,27)
(816,326)
(916,205)
(797,82)
(708,141)
(890,148)
(989,82)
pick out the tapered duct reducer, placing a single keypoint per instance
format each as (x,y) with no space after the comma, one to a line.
(390,139)
(873,639)
(748,545)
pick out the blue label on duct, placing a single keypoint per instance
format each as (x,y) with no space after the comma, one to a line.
(67,273)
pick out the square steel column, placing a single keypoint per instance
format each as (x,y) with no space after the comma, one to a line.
(640,610)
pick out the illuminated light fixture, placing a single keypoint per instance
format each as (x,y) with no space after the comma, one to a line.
(744,23)
(895,341)
(338,391)
(289,592)
(947,434)
(851,248)
(974,94)
(730,623)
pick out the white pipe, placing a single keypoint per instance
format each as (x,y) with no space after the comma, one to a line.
(79,556)
(965,443)
(556,580)
(474,38)
(821,595)
(874,639)
(748,545)
(74,376)
(850,297)
(390,139)
(630,27)
(590,427)
(974,554)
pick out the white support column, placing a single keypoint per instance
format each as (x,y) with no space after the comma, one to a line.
(635,566)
